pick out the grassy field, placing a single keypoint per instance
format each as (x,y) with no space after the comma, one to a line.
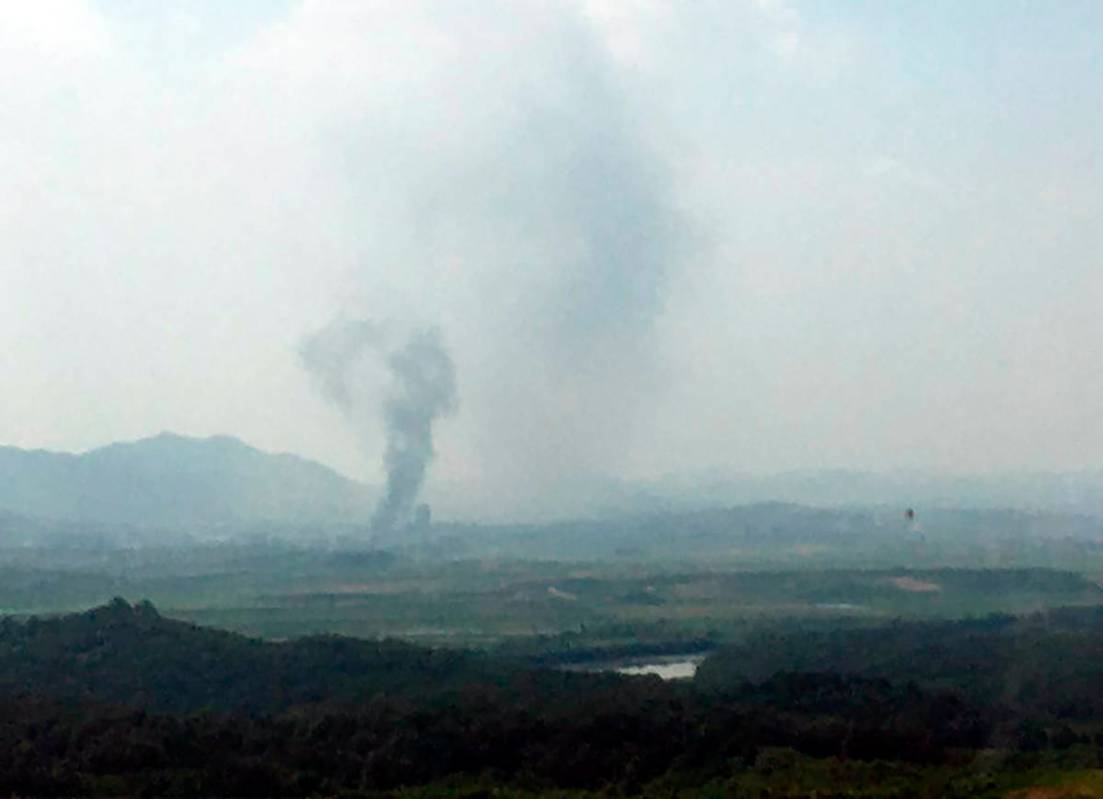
(282,592)
(482,604)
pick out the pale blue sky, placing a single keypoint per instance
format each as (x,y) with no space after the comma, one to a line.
(656,236)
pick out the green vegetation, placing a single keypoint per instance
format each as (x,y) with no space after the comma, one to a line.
(466,661)
(120,700)
(486,604)
(277,591)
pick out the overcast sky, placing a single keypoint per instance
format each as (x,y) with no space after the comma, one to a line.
(656,237)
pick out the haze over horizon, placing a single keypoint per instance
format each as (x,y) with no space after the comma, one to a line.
(757,235)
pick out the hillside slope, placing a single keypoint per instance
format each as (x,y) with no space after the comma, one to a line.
(172,481)
(131,654)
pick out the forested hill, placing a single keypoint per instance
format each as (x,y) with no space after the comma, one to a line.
(172,481)
(1047,664)
(133,655)
(104,703)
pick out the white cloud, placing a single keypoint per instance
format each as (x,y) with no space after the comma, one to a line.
(58,32)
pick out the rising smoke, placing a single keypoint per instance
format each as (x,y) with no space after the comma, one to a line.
(422,387)
(533,215)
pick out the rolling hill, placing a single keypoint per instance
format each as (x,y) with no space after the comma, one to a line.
(175,482)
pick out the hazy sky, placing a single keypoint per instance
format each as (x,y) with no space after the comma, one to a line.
(655,236)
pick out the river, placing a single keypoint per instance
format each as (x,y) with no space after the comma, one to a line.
(667,667)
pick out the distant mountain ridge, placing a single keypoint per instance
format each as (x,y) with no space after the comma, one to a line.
(216,485)
(1076,492)
(173,481)
(583,496)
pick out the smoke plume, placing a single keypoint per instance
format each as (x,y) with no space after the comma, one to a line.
(421,379)
(532,211)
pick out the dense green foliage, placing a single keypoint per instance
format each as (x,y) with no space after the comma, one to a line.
(1047,665)
(120,700)
(130,654)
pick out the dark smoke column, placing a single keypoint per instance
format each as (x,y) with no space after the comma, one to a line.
(425,388)
(422,389)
